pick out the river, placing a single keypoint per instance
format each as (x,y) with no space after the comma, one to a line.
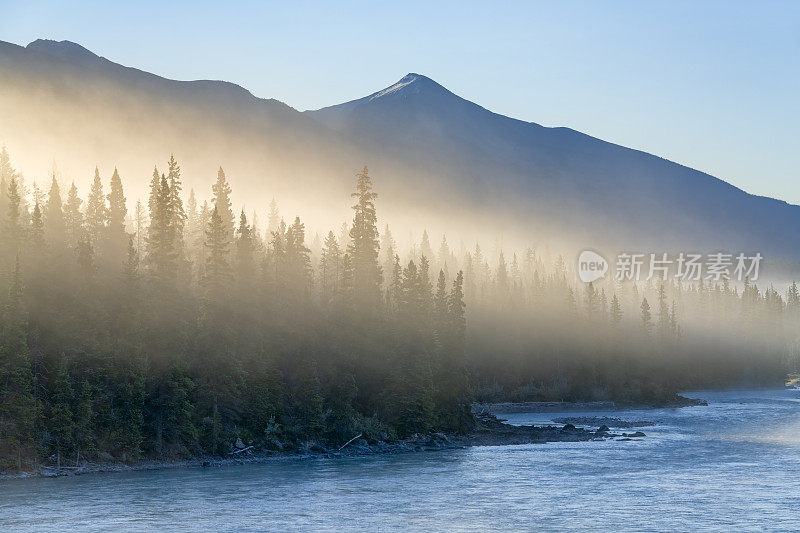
(734,464)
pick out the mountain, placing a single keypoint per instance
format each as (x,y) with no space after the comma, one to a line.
(439,161)
(60,102)
(622,197)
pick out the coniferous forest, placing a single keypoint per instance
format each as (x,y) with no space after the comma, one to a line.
(174,327)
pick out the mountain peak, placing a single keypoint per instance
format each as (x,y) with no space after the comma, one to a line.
(411,83)
(65,50)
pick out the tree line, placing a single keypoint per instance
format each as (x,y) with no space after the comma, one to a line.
(177,327)
(180,330)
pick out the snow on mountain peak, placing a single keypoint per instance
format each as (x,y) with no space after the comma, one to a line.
(411,83)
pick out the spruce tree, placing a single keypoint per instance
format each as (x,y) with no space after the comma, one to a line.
(273,218)
(647,323)
(6,173)
(36,231)
(13,228)
(330,268)
(60,419)
(96,211)
(176,208)
(73,217)
(217,274)
(55,227)
(440,304)
(615,311)
(245,254)
(117,211)
(222,203)
(161,257)
(17,411)
(364,246)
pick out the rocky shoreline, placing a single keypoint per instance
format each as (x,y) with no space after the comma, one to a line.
(488,431)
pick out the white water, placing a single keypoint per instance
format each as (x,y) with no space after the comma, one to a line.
(734,465)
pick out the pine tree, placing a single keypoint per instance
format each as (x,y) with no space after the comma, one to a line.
(55,227)
(456,309)
(673,320)
(793,297)
(274,217)
(73,217)
(388,249)
(647,323)
(96,211)
(86,257)
(425,246)
(6,173)
(444,254)
(297,260)
(502,277)
(140,222)
(245,249)
(590,300)
(161,256)
(217,275)
(616,311)
(176,206)
(440,304)
(155,187)
(364,246)
(663,311)
(117,211)
(17,410)
(60,419)
(36,231)
(222,203)
(84,422)
(330,268)
(13,228)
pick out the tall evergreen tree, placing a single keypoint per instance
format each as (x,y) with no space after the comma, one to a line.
(13,229)
(330,268)
(16,380)
(222,203)
(364,246)
(96,211)
(615,311)
(217,275)
(647,323)
(73,217)
(55,227)
(274,218)
(117,211)
(161,256)
(245,254)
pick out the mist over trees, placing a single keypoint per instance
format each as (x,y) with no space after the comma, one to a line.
(175,326)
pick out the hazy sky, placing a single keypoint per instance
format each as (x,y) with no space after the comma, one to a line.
(714,85)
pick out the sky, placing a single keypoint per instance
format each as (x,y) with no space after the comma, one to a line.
(714,85)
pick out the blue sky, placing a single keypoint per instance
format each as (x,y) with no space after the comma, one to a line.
(714,85)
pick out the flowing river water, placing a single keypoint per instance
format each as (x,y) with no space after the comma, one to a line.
(733,465)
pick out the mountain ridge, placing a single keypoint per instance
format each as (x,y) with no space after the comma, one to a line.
(427,142)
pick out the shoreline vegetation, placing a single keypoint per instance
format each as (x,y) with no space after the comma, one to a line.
(175,329)
(488,430)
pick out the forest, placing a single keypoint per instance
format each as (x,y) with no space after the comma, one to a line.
(174,327)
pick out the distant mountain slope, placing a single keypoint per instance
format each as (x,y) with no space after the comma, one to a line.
(64,103)
(439,161)
(564,174)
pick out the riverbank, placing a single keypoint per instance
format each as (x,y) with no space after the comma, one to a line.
(488,431)
(496,408)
